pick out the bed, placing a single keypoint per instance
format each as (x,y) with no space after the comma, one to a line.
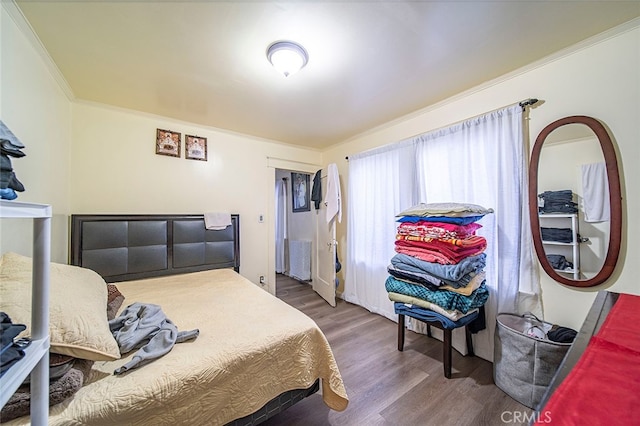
(253,357)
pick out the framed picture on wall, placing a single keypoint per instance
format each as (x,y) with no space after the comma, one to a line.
(301,192)
(167,143)
(195,148)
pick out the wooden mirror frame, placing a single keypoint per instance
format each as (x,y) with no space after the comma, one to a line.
(615,201)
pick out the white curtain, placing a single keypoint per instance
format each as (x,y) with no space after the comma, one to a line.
(281,225)
(481,161)
(380,185)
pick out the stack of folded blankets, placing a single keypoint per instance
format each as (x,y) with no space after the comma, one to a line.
(438,270)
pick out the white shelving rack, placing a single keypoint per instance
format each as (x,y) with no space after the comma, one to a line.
(573,246)
(36,359)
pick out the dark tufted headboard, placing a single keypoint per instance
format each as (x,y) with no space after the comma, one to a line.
(129,247)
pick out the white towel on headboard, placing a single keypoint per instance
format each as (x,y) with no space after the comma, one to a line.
(595,192)
(217,221)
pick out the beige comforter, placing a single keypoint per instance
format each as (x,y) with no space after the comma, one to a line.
(251,347)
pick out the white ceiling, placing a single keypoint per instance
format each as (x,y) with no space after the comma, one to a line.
(369,61)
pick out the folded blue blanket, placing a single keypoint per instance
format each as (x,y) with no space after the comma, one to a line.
(458,275)
(430,316)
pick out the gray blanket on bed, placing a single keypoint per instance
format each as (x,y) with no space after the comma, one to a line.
(145,327)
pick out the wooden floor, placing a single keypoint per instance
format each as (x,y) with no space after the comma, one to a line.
(389,387)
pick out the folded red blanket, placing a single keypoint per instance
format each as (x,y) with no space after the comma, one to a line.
(440,251)
(453,244)
(437,229)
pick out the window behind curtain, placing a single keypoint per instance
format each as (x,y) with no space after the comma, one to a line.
(480,161)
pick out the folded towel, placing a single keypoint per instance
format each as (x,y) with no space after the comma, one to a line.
(595,192)
(217,221)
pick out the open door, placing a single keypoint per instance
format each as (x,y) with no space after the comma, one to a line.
(324,281)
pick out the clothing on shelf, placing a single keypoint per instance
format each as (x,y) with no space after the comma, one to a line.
(10,146)
(561,235)
(10,352)
(557,202)
(559,262)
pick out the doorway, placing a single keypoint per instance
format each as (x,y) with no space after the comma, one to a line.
(305,242)
(295,229)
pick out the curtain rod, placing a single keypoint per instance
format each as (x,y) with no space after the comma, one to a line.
(528,102)
(524,104)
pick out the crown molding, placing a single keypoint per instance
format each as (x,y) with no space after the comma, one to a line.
(25,27)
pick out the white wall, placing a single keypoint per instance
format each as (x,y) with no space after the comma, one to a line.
(38,112)
(599,79)
(114,169)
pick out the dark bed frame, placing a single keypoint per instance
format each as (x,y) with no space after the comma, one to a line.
(131,247)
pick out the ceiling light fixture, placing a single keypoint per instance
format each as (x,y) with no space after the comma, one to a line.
(287,57)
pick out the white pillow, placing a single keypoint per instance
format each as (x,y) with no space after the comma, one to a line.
(78,324)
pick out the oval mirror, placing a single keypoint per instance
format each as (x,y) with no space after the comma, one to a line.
(575,202)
